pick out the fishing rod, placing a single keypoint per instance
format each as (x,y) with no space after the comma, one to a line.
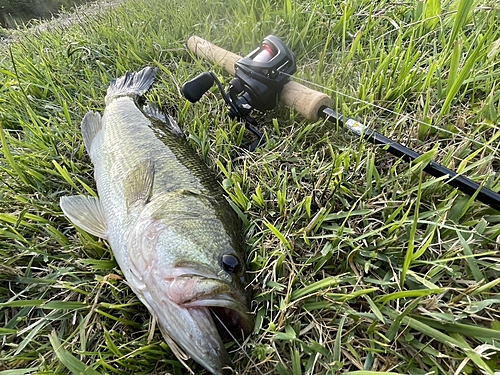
(263,76)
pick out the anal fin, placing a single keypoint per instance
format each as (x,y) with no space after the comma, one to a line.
(86,213)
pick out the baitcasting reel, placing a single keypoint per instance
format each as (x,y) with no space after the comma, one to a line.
(259,78)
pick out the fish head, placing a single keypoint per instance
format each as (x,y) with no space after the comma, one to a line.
(188,269)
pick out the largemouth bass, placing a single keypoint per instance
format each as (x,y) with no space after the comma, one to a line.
(176,239)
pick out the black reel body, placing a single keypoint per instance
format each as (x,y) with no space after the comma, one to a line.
(261,75)
(258,80)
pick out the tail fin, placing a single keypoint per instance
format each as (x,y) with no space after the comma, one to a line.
(131,84)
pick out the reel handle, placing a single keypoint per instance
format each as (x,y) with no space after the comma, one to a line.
(304,100)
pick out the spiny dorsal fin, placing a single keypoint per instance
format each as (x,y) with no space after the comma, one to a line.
(139,184)
(86,213)
(91,125)
(154,112)
(174,126)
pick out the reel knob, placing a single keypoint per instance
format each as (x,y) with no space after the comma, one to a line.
(194,89)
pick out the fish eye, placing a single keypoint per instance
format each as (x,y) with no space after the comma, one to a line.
(230,263)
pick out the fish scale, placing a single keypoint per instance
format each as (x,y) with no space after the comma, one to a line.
(166,220)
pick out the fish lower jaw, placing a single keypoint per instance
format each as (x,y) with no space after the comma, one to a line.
(204,338)
(200,339)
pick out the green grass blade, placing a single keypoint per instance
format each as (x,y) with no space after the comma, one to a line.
(473,56)
(460,19)
(68,360)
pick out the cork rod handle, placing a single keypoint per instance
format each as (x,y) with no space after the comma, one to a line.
(304,100)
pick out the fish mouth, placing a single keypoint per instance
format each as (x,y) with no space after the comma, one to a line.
(226,305)
(193,306)
(230,324)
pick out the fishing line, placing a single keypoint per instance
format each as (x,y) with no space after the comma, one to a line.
(491,148)
(239,345)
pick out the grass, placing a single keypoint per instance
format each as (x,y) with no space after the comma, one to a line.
(359,263)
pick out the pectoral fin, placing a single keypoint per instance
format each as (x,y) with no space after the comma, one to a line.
(86,213)
(139,184)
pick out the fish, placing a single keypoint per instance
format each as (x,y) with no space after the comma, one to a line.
(173,233)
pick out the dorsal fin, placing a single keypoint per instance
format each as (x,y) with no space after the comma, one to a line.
(152,110)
